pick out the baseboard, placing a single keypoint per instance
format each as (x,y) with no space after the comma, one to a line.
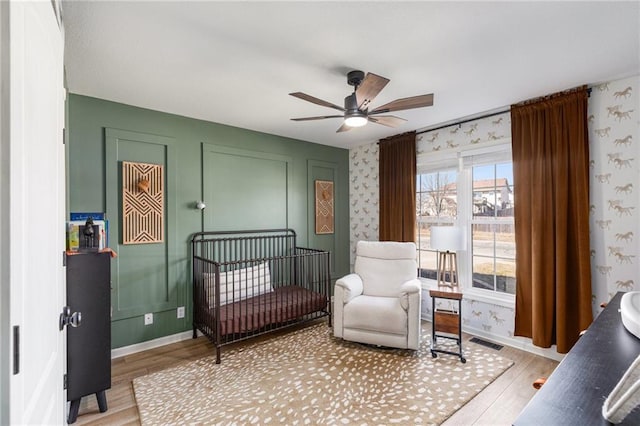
(151,344)
(516,342)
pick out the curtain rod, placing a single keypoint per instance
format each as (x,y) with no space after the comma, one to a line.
(458,123)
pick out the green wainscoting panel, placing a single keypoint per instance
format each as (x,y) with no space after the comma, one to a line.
(324,170)
(244,189)
(248,179)
(129,331)
(141,278)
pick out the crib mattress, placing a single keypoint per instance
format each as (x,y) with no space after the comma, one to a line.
(274,308)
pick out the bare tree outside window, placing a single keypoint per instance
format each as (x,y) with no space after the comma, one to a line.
(438,195)
(436,205)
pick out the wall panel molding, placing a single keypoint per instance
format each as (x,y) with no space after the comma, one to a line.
(245,189)
(144,277)
(318,170)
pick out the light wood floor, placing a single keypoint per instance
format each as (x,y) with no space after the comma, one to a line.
(498,404)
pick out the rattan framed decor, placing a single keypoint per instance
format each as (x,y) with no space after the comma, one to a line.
(324,207)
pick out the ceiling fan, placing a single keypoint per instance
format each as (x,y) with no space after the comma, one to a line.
(356,106)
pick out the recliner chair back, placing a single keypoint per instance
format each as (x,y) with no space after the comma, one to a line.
(385,267)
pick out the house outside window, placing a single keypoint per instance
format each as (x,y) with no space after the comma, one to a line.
(472,189)
(492,228)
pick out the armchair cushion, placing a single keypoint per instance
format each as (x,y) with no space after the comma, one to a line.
(373,313)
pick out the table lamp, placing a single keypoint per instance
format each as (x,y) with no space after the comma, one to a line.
(447,240)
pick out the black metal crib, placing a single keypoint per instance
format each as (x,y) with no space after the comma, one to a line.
(247,283)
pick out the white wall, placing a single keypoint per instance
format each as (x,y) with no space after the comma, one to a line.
(613,230)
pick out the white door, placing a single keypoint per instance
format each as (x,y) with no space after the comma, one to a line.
(36,213)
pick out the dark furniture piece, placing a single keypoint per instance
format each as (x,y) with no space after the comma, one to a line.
(446,321)
(576,390)
(89,344)
(247,283)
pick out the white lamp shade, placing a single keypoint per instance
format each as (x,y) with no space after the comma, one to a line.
(447,238)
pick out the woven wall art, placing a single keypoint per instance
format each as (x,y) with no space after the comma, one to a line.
(142,203)
(324,207)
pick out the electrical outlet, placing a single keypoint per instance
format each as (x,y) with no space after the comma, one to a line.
(148,319)
(180,311)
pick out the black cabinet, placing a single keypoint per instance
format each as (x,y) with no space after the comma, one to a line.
(575,392)
(89,344)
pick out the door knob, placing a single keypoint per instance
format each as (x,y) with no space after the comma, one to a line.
(68,318)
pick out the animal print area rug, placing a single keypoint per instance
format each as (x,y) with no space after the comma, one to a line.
(310,377)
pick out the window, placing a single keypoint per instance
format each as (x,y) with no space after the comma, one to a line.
(493,237)
(436,205)
(474,190)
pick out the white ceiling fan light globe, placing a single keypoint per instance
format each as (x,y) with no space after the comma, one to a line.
(355,121)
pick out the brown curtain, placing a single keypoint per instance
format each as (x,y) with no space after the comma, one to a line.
(398,188)
(551,190)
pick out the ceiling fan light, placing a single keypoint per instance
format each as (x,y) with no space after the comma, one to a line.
(355,120)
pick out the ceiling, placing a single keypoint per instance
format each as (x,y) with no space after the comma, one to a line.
(236,62)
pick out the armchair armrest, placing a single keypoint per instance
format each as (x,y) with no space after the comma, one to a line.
(413,286)
(410,300)
(407,289)
(351,286)
(345,290)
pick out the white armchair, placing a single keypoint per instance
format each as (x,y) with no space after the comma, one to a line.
(379,304)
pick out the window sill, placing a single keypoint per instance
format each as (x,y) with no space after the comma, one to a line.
(428,284)
(493,298)
(505,300)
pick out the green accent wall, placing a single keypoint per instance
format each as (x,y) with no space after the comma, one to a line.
(255,183)
(247,179)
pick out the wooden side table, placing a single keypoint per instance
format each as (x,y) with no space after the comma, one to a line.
(446,321)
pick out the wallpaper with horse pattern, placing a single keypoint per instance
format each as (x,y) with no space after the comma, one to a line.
(614,143)
(614,132)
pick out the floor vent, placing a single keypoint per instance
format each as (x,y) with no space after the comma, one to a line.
(487,344)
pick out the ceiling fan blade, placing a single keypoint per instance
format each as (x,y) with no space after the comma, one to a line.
(316,101)
(388,120)
(405,103)
(343,128)
(322,117)
(369,89)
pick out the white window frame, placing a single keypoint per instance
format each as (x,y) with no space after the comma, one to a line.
(494,152)
(440,161)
